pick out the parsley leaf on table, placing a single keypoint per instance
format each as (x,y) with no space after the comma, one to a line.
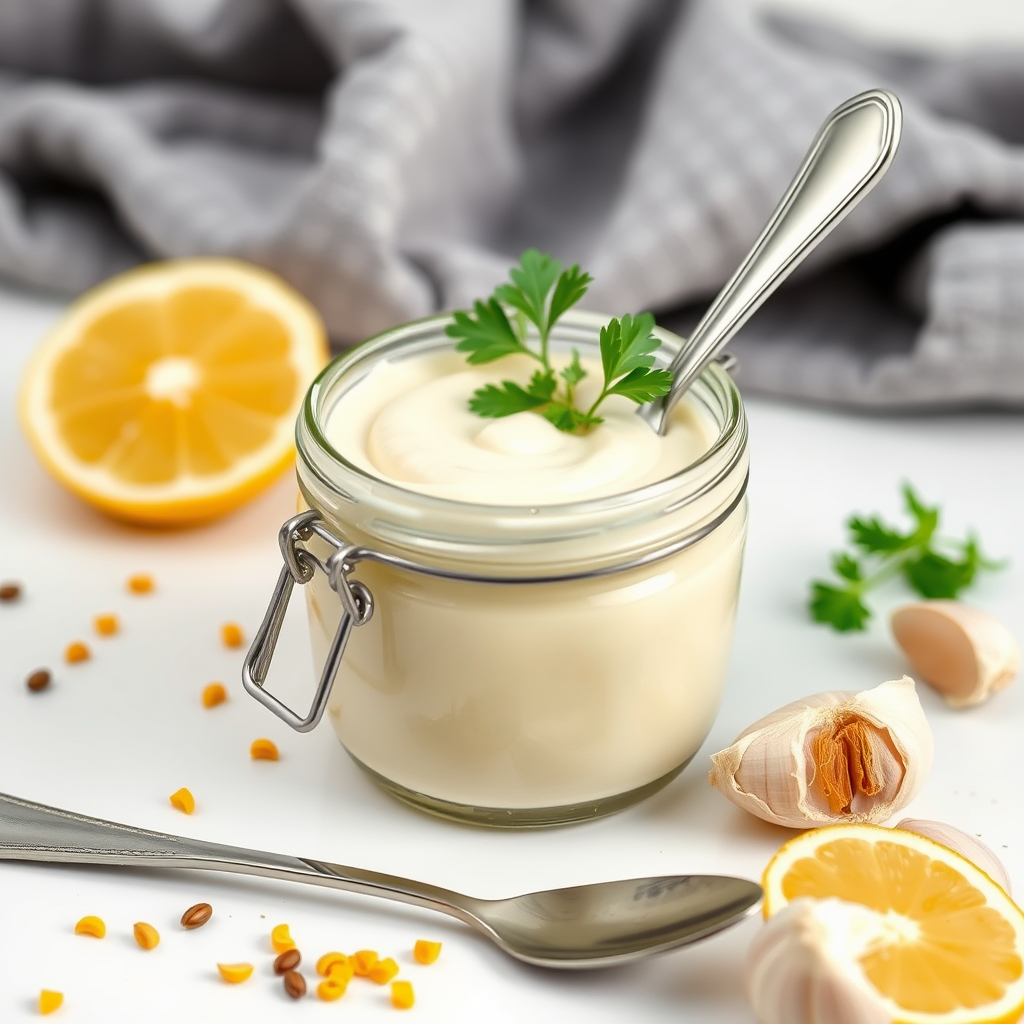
(931,566)
(841,608)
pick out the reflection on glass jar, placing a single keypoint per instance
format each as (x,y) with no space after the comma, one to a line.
(526,665)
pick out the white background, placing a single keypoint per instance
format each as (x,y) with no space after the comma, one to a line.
(113,737)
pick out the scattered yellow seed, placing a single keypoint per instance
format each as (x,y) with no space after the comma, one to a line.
(363,961)
(140,584)
(263,750)
(146,935)
(234,974)
(50,1000)
(232,635)
(281,938)
(106,625)
(426,952)
(341,971)
(329,960)
(383,971)
(90,925)
(330,989)
(402,995)
(214,694)
(183,800)
(76,651)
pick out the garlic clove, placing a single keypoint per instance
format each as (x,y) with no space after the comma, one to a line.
(802,968)
(964,653)
(960,842)
(831,757)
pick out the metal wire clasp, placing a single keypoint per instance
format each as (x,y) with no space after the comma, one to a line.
(300,564)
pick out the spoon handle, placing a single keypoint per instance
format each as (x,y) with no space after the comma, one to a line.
(850,153)
(34,832)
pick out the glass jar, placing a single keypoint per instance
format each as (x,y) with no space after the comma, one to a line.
(513,665)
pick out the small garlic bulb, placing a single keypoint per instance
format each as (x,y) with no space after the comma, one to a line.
(802,966)
(831,757)
(963,843)
(964,653)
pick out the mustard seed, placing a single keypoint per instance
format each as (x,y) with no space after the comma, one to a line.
(38,680)
(295,984)
(287,961)
(196,916)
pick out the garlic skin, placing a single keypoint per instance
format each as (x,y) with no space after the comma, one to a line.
(968,846)
(831,757)
(801,967)
(964,653)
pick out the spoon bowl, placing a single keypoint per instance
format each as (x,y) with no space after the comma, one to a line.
(582,926)
(606,923)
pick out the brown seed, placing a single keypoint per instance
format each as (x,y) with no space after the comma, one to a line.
(197,916)
(295,984)
(39,680)
(9,591)
(287,961)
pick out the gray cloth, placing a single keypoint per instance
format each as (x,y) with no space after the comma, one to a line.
(390,158)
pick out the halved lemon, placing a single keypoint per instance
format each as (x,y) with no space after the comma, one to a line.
(168,394)
(942,944)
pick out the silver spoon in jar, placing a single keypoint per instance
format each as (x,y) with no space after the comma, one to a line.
(849,155)
(593,925)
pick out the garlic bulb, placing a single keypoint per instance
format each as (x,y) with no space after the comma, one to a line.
(802,966)
(831,757)
(964,653)
(963,843)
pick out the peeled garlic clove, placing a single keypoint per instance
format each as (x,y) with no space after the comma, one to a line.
(802,966)
(964,653)
(963,843)
(836,756)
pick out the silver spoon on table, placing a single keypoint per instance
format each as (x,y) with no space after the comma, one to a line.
(593,925)
(849,155)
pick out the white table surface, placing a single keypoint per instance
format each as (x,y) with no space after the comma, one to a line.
(115,736)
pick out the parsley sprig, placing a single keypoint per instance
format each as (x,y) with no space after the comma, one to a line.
(518,319)
(932,566)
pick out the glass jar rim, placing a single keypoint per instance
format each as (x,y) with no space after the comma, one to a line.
(521,541)
(309,429)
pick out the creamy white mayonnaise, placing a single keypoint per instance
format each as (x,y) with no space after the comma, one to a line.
(408,422)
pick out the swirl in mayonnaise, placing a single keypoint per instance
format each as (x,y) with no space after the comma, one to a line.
(408,423)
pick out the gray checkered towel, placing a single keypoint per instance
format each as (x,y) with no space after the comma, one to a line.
(389,157)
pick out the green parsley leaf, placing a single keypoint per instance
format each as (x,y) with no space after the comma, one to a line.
(495,402)
(873,537)
(922,559)
(842,609)
(568,418)
(571,287)
(574,372)
(934,575)
(847,567)
(627,344)
(532,280)
(542,385)
(927,518)
(643,385)
(486,336)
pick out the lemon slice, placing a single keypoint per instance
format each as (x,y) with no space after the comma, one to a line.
(942,944)
(168,394)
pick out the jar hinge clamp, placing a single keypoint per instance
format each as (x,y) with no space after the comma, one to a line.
(300,564)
